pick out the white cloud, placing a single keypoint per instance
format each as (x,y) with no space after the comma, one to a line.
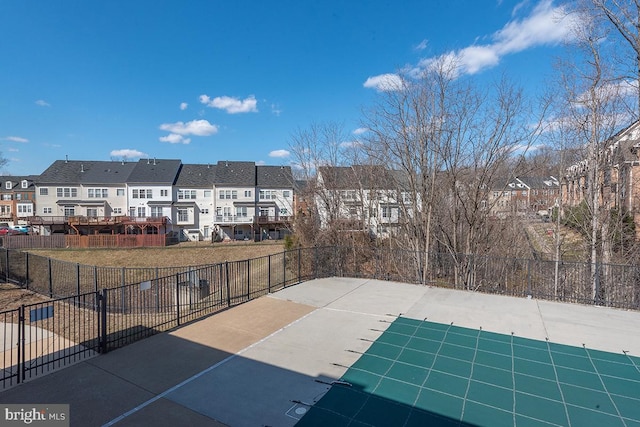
(194,127)
(350,144)
(545,25)
(360,131)
(13,150)
(15,139)
(230,104)
(42,103)
(384,82)
(127,153)
(183,106)
(279,153)
(275,110)
(174,138)
(422,45)
(261,163)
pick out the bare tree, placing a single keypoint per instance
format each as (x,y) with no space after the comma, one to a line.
(591,102)
(450,138)
(623,17)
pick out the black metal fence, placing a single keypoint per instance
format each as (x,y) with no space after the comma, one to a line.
(38,338)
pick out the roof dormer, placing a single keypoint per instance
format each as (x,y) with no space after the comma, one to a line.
(8,185)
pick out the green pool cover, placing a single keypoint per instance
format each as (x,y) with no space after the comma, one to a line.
(421,373)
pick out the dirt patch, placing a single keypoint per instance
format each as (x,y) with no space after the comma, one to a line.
(12,296)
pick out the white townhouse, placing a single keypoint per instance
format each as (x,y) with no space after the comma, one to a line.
(150,188)
(361,198)
(235,200)
(274,206)
(80,190)
(194,201)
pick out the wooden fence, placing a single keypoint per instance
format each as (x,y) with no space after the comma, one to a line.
(55,241)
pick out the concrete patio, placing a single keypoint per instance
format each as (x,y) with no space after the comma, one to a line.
(263,363)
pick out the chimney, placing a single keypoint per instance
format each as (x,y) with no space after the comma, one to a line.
(66,158)
(81,167)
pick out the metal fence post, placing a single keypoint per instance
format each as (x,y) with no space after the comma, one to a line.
(103,321)
(284,269)
(226,274)
(123,276)
(50,278)
(269,274)
(178,299)
(21,343)
(248,280)
(299,263)
(78,278)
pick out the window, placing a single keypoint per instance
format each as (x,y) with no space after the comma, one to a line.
(164,193)
(228,194)
(207,194)
(226,211)
(66,192)
(25,183)
(156,211)
(69,211)
(205,211)
(267,195)
(92,212)
(120,192)
(247,193)
(6,197)
(98,193)
(286,194)
(264,212)
(46,210)
(18,196)
(8,185)
(386,212)
(241,211)
(142,193)
(183,215)
(25,209)
(142,211)
(186,194)
(44,191)
(349,195)
(283,211)
(117,211)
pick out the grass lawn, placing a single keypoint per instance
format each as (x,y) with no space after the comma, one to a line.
(184,254)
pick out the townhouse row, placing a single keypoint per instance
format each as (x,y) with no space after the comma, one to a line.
(227,200)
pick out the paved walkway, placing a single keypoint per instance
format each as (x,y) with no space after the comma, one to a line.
(263,363)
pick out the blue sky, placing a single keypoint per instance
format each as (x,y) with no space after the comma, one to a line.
(204,81)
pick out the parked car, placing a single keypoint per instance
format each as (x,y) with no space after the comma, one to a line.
(21,229)
(8,231)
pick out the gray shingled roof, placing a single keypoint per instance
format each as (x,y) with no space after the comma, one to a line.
(274,177)
(17,182)
(361,176)
(107,173)
(235,174)
(86,172)
(155,171)
(338,177)
(192,175)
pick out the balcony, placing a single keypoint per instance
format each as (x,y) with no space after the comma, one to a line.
(233,219)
